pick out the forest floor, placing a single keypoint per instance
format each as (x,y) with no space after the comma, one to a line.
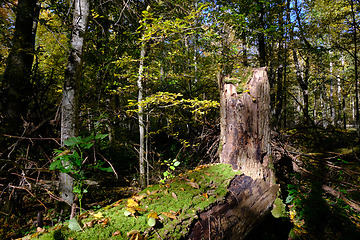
(319,173)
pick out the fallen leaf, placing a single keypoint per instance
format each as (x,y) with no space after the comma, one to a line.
(139,209)
(152,222)
(98,215)
(205,195)
(105,221)
(89,224)
(131,210)
(182,189)
(116,233)
(153,215)
(169,215)
(138,197)
(131,203)
(174,195)
(74,225)
(40,230)
(135,235)
(193,184)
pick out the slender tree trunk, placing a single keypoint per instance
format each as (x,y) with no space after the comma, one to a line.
(354,23)
(70,99)
(245,117)
(141,118)
(261,36)
(16,84)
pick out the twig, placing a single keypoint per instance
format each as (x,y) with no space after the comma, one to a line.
(20,137)
(30,194)
(117,177)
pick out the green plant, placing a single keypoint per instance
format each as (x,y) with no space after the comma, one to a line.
(168,174)
(71,161)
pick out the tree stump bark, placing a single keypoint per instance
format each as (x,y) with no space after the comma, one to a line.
(247,203)
(245,125)
(245,145)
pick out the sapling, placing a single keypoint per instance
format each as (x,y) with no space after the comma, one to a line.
(71,161)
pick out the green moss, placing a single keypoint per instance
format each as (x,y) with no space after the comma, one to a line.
(241,81)
(232,80)
(187,195)
(278,208)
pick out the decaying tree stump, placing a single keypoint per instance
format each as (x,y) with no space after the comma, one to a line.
(246,205)
(245,124)
(245,145)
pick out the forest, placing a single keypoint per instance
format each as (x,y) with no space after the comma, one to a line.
(110,108)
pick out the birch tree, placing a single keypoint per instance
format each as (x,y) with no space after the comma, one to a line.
(70,99)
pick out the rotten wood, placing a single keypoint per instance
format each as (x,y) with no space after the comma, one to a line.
(247,203)
(245,125)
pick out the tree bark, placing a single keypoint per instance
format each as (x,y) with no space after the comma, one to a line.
(357,114)
(245,145)
(16,85)
(245,137)
(248,202)
(70,100)
(141,118)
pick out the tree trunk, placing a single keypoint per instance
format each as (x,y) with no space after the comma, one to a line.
(245,145)
(354,23)
(245,141)
(247,204)
(141,118)
(16,85)
(70,100)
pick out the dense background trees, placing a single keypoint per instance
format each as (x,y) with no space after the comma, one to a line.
(152,70)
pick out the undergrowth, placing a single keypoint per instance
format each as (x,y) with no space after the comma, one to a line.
(174,204)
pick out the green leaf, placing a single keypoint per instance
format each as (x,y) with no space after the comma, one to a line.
(289,199)
(177,163)
(151,221)
(72,141)
(74,225)
(109,169)
(55,165)
(101,136)
(127,213)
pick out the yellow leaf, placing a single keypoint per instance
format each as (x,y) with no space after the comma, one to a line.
(98,215)
(139,209)
(169,215)
(131,203)
(66,152)
(153,215)
(205,195)
(131,210)
(182,189)
(135,235)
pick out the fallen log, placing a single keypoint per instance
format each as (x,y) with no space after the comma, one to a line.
(247,203)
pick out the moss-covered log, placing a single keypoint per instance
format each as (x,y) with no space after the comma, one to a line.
(186,207)
(247,203)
